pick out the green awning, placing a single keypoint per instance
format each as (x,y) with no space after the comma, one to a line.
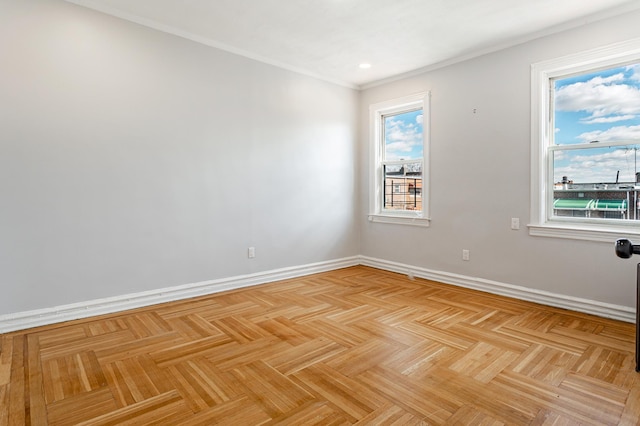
(618,205)
(589,204)
(573,204)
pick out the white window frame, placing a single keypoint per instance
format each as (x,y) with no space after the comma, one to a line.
(542,74)
(377,111)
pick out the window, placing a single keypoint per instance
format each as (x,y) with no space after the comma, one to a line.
(399,132)
(585,180)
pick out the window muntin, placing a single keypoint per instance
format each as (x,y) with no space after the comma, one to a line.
(399,131)
(595,122)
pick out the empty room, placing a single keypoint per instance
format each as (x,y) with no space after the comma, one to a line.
(254,212)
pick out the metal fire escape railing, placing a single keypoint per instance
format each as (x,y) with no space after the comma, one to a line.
(402,193)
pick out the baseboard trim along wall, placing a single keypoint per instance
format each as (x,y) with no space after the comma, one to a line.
(587,306)
(47,316)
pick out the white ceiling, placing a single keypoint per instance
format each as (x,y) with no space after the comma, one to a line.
(330,38)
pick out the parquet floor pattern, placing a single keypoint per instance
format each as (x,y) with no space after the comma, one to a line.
(352,346)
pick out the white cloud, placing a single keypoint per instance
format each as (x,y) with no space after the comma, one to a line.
(636,71)
(605,98)
(618,133)
(611,119)
(400,147)
(598,168)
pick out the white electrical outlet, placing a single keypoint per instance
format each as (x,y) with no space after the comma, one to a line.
(515,223)
(465,254)
(251,252)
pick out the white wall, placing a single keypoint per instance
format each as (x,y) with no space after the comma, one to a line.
(480,177)
(132,160)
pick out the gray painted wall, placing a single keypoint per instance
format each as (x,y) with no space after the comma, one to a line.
(480,176)
(132,160)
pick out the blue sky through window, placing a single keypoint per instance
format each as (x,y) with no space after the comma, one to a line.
(598,107)
(403,136)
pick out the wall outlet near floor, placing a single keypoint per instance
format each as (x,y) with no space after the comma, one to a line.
(251,252)
(465,254)
(515,223)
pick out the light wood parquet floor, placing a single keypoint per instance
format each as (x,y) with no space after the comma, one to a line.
(352,346)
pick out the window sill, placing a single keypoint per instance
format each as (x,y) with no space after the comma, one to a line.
(399,220)
(585,232)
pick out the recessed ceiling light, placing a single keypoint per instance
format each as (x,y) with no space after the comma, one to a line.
(365,66)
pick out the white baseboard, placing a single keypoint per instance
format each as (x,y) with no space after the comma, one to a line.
(35,318)
(606,310)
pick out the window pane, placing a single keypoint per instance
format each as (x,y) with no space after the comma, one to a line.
(598,165)
(599,183)
(599,106)
(403,186)
(403,138)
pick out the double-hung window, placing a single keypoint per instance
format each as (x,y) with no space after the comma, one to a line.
(399,132)
(585,141)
